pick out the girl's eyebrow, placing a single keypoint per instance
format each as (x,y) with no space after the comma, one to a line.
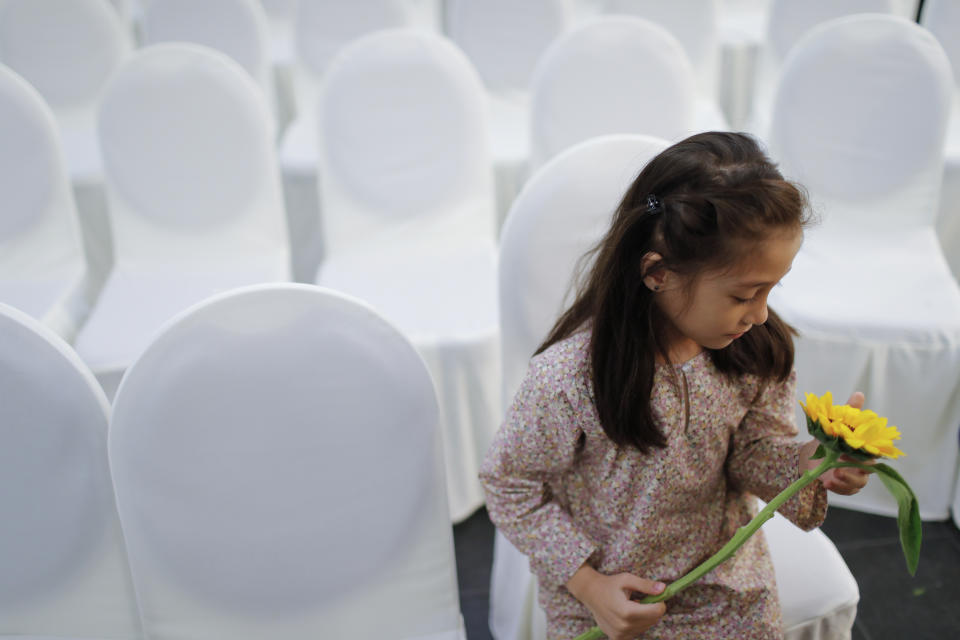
(750,285)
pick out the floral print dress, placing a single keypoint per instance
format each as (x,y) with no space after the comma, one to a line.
(563,493)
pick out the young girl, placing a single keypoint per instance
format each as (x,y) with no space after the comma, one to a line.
(662,400)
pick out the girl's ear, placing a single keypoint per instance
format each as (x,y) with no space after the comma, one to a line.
(653,272)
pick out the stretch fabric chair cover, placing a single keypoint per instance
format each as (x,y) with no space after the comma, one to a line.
(870,291)
(42,265)
(65,572)
(409,217)
(278,472)
(194,192)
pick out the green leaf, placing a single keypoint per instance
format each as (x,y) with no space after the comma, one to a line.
(819,453)
(908,514)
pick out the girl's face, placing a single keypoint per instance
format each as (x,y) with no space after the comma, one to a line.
(722,305)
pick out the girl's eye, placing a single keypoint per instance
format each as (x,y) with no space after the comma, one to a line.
(744,300)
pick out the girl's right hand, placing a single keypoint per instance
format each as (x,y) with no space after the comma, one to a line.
(609,600)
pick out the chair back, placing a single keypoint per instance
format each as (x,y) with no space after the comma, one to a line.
(789,20)
(562,212)
(66,50)
(190,165)
(859,118)
(65,571)
(504,39)
(237,28)
(40,243)
(616,74)
(404,157)
(786,23)
(694,23)
(308,497)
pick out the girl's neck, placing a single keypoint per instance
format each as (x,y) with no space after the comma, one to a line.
(679,348)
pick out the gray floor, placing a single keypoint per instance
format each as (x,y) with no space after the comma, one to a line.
(893,605)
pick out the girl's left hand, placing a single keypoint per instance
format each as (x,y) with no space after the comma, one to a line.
(846,481)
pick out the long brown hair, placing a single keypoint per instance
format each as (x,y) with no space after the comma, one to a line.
(719,195)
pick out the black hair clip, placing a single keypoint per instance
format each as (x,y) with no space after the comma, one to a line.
(654,206)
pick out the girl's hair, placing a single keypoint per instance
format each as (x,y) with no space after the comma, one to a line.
(719,196)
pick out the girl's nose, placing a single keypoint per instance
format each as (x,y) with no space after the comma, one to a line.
(757,314)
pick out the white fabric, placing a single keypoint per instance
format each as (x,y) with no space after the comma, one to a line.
(307,499)
(694,23)
(788,21)
(504,39)
(280,17)
(818,594)
(320,29)
(407,196)
(615,74)
(238,28)
(943,20)
(65,570)
(859,119)
(42,266)
(561,213)
(194,195)
(741,30)
(67,51)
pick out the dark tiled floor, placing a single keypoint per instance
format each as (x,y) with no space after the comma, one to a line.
(893,605)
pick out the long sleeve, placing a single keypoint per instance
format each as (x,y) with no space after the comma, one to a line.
(764,457)
(539,441)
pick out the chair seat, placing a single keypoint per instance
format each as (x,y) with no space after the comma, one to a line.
(38,296)
(800,559)
(893,292)
(133,305)
(446,294)
(445,302)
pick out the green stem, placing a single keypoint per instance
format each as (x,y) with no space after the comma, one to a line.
(741,536)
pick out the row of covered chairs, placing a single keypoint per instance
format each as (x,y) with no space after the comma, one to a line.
(408,201)
(271,468)
(502,40)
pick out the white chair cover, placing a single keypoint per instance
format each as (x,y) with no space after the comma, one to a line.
(42,267)
(194,194)
(307,499)
(787,22)
(238,28)
(321,29)
(561,213)
(943,20)
(695,24)
(859,119)
(504,39)
(408,201)
(65,571)
(741,26)
(280,18)
(615,74)
(67,51)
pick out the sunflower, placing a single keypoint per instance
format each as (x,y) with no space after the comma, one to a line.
(858,432)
